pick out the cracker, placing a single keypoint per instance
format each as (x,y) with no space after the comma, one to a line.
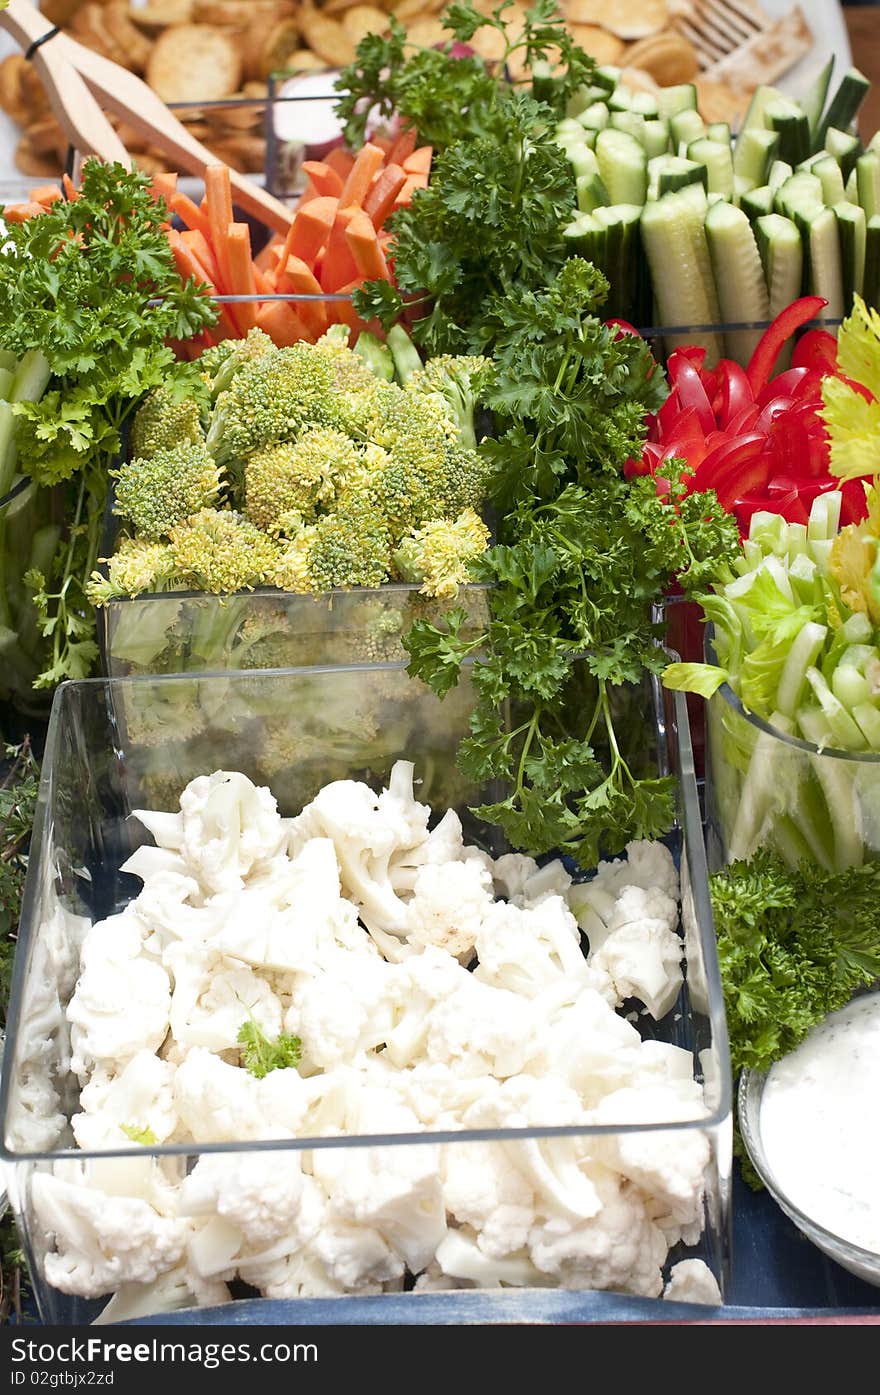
(12,98)
(159,14)
(326,37)
(597,42)
(767,56)
(405,10)
(38,166)
(428,31)
(627,19)
(302,60)
(717,101)
(238,14)
(670,58)
(45,136)
(247,154)
(362,20)
(193,61)
(132,42)
(229,120)
(60,12)
(282,40)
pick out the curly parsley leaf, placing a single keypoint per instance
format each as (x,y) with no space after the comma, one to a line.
(259,1054)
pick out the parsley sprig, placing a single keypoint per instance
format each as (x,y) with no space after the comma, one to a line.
(581,556)
(260,1054)
(91,283)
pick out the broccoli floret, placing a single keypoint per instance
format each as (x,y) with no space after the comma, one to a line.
(465,480)
(271,399)
(219,366)
(296,477)
(439,554)
(162,422)
(459,380)
(349,547)
(138,565)
(157,493)
(220,551)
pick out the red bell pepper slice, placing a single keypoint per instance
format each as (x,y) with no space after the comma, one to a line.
(731,455)
(809,389)
(816,348)
(623,326)
(741,478)
(743,421)
(857,387)
(783,385)
(760,366)
(734,394)
(854,506)
(792,507)
(689,388)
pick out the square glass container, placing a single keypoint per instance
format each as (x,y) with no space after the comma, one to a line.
(92,780)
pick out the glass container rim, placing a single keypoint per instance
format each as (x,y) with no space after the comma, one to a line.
(388,588)
(751,1084)
(734,701)
(692,844)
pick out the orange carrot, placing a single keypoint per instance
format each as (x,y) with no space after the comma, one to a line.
(385,188)
(241,272)
(70,190)
(297,279)
(419,162)
(283,325)
(310,229)
(368,161)
(364,247)
(403,147)
(338,265)
(340,160)
(218,192)
(343,312)
(413,182)
(163,185)
(191,215)
(202,251)
(324,178)
(45,194)
(189,265)
(264,281)
(268,257)
(22,212)
(384,142)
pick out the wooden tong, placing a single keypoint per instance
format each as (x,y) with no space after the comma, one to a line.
(74,76)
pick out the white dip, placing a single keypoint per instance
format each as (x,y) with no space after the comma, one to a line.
(820,1123)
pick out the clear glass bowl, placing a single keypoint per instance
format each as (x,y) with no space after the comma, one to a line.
(282,729)
(864,1263)
(767,789)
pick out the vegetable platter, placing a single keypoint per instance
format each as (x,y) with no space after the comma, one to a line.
(404,496)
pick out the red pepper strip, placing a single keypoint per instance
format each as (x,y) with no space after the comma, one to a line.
(734,394)
(694,353)
(624,326)
(767,349)
(792,507)
(731,455)
(741,478)
(687,427)
(691,393)
(816,348)
(785,483)
(710,382)
(743,421)
(667,418)
(809,389)
(775,408)
(854,506)
(783,385)
(857,387)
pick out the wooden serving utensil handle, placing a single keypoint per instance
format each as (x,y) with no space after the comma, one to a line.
(141,108)
(73,105)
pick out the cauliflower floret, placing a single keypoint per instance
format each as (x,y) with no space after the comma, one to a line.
(348,1007)
(643,956)
(445,843)
(176,1289)
(230,828)
(460,1256)
(252,1208)
(449,904)
(589,1046)
(647,865)
(479,1029)
(692,1281)
(102,1241)
(616,1248)
(524,950)
(668,1166)
(122,1000)
(139,1098)
(217,1102)
(213,997)
(511,871)
(484,1190)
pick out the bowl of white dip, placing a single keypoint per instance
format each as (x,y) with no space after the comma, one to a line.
(811,1125)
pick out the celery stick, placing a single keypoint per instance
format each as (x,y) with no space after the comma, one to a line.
(771,782)
(825,516)
(845,733)
(858,628)
(7,447)
(837,778)
(868,718)
(805,649)
(857,655)
(849,686)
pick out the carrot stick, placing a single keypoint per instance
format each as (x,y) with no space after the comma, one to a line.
(45,194)
(368,161)
(218,192)
(163,185)
(380,200)
(340,160)
(202,251)
(283,325)
(419,162)
(270,255)
(384,142)
(403,147)
(364,247)
(264,281)
(70,190)
(343,312)
(189,265)
(241,271)
(191,215)
(324,178)
(22,212)
(310,229)
(413,182)
(338,265)
(298,279)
